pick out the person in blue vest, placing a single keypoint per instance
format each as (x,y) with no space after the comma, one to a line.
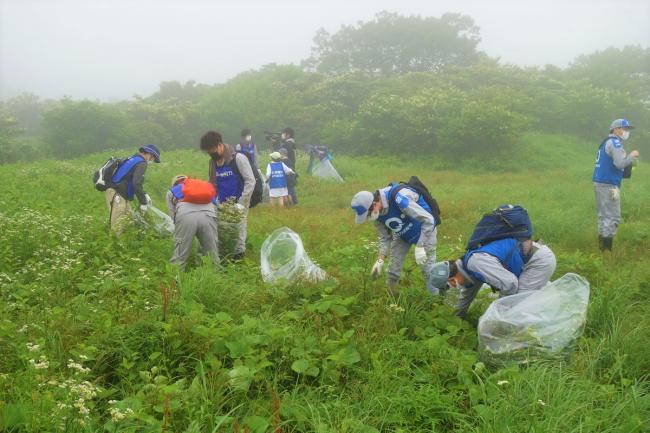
(507,265)
(247,145)
(612,162)
(277,173)
(402,219)
(232,175)
(127,184)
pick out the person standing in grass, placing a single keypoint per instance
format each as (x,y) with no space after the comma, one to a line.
(507,265)
(247,145)
(402,218)
(127,183)
(612,165)
(288,143)
(191,205)
(232,175)
(277,174)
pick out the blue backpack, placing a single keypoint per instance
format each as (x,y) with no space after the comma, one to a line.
(506,221)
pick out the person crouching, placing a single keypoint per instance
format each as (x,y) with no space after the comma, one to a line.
(191,204)
(276,174)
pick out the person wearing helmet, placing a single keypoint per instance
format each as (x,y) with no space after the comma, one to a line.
(402,218)
(127,183)
(612,164)
(191,204)
(507,265)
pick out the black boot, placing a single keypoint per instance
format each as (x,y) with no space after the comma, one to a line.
(600,243)
(607,244)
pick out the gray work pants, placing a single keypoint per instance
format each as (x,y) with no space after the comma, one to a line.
(536,273)
(398,251)
(608,203)
(201,224)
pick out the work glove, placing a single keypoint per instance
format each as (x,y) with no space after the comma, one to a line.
(614,193)
(143,208)
(376,269)
(420,255)
(148,198)
(240,207)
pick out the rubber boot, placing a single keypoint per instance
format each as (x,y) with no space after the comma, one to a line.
(607,244)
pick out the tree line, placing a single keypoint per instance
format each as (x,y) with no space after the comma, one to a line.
(392,84)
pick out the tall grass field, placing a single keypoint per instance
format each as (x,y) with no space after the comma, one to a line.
(102,334)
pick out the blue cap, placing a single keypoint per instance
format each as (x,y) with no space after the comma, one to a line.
(438,277)
(152,149)
(620,123)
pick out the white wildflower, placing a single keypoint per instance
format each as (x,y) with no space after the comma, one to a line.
(502,382)
(541,403)
(32,347)
(42,363)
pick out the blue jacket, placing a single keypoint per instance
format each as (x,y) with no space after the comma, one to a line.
(125,174)
(605,171)
(508,251)
(278,178)
(399,223)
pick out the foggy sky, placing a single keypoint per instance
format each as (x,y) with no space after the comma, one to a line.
(114,49)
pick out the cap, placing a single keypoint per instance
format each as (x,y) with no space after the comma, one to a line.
(360,204)
(283,152)
(178,178)
(275,156)
(439,275)
(153,150)
(621,123)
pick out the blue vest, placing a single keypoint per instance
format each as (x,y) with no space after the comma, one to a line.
(399,223)
(506,250)
(248,148)
(125,171)
(229,184)
(278,179)
(605,171)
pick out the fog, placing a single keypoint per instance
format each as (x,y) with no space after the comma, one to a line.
(115,49)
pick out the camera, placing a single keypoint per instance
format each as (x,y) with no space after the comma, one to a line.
(273,137)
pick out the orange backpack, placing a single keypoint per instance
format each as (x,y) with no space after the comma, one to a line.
(194,191)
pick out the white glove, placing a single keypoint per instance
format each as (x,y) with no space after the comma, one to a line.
(143,208)
(148,198)
(420,255)
(376,268)
(614,193)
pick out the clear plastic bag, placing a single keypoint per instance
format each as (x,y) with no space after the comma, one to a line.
(537,324)
(283,258)
(325,170)
(160,221)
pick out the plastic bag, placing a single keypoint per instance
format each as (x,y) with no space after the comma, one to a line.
(160,221)
(325,170)
(541,323)
(283,257)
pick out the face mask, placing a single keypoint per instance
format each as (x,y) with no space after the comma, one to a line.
(625,135)
(249,138)
(373,215)
(214,156)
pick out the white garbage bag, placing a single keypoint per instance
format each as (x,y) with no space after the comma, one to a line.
(160,221)
(283,258)
(325,170)
(541,323)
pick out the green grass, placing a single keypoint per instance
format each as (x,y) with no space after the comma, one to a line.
(217,350)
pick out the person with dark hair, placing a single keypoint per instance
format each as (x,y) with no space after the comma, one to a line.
(247,145)
(289,144)
(612,162)
(128,183)
(232,175)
